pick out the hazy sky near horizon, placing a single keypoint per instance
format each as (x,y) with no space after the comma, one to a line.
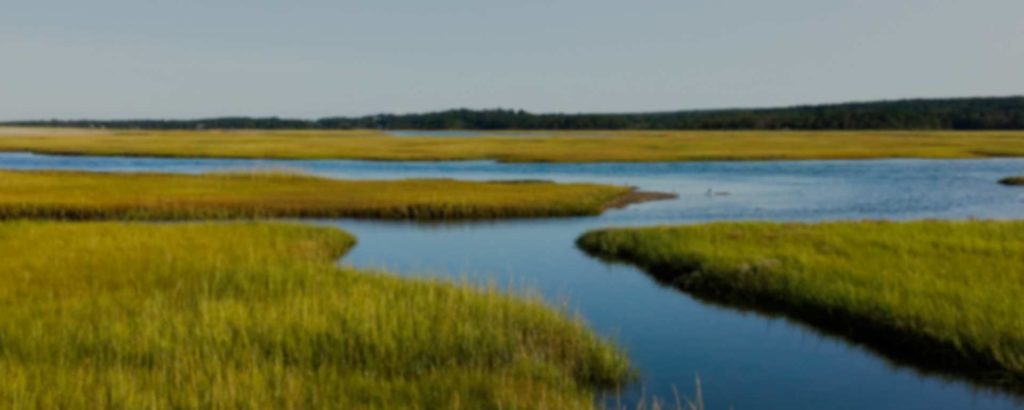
(313,58)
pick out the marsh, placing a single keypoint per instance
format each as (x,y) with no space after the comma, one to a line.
(743,358)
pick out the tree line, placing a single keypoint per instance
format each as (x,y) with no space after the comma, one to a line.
(992,113)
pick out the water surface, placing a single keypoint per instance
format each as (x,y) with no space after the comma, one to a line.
(744,360)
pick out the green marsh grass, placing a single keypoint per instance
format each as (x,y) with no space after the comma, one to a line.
(256,315)
(548,146)
(87,195)
(944,296)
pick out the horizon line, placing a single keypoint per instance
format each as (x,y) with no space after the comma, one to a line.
(565,113)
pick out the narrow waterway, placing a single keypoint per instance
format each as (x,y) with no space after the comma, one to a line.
(743,359)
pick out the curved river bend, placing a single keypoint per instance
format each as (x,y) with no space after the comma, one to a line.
(744,360)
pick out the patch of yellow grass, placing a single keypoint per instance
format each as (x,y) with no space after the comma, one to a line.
(579,146)
(85,195)
(250,315)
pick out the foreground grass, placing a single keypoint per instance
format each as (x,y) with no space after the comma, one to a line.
(534,147)
(944,295)
(83,195)
(246,315)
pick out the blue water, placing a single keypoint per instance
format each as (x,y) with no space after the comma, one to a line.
(744,360)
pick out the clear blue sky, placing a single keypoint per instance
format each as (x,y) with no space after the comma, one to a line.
(311,58)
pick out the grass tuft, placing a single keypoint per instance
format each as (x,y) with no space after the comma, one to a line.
(1012,181)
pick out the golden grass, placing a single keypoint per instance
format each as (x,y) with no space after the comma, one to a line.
(251,315)
(944,295)
(84,195)
(581,146)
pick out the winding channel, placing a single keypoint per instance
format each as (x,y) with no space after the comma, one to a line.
(744,359)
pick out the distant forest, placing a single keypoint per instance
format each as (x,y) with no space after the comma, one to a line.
(997,113)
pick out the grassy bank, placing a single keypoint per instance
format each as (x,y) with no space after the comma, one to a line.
(247,315)
(941,295)
(534,147)
(1012,181)
(83,195)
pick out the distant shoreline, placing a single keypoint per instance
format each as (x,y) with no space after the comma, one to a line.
(972,113)
(552,146)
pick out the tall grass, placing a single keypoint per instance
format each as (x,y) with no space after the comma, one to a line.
(943,295)
(547,147)
(248,315)
(83,195)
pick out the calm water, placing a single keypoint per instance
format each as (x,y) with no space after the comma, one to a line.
(744,360)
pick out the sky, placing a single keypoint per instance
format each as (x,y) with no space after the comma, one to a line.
(109,59)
